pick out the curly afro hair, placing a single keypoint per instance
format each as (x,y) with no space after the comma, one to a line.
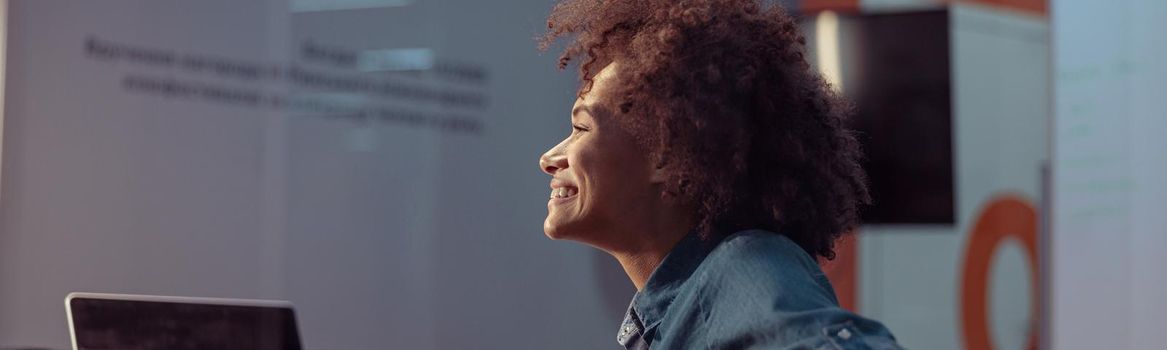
(721,96)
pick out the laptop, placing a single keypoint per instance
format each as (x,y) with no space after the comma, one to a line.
(148,322)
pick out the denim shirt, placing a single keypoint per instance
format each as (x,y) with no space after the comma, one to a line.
(751,290)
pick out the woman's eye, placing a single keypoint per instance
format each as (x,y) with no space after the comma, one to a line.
(578,128)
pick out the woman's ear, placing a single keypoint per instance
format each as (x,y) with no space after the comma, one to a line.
(658,174)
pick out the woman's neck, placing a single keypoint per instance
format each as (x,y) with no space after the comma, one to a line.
(654,244)
(639,266)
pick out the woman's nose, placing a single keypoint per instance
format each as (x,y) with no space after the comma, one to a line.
(553,160)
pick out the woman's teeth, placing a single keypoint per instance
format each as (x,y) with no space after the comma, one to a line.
(563,192)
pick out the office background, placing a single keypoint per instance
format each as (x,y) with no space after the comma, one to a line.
(374,162)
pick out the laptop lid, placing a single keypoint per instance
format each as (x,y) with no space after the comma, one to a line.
(148,322)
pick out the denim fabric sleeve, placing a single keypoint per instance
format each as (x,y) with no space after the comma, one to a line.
(833,329)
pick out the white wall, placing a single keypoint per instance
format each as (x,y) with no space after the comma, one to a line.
(1109,227)
(911,274)
(380,232)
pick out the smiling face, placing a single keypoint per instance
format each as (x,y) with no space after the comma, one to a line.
(602,181)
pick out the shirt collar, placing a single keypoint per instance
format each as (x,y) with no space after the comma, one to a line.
(652,301)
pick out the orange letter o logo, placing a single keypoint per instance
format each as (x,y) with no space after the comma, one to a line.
(1004,217)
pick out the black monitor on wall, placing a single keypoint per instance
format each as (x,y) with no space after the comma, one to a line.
(896,70)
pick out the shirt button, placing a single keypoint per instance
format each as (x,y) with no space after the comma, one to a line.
(845,334)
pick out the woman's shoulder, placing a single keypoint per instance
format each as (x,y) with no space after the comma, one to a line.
(759,244)
(763,267)
(759,289)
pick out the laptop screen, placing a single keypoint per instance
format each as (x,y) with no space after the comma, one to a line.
(146,325)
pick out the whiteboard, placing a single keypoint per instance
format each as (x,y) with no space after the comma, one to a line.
(1108,222)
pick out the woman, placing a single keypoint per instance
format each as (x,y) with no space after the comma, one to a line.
(715,166)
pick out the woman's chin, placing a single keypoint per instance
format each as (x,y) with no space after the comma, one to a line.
(553,230)
(555,227)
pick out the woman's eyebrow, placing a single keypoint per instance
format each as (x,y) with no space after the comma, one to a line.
(580,108)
